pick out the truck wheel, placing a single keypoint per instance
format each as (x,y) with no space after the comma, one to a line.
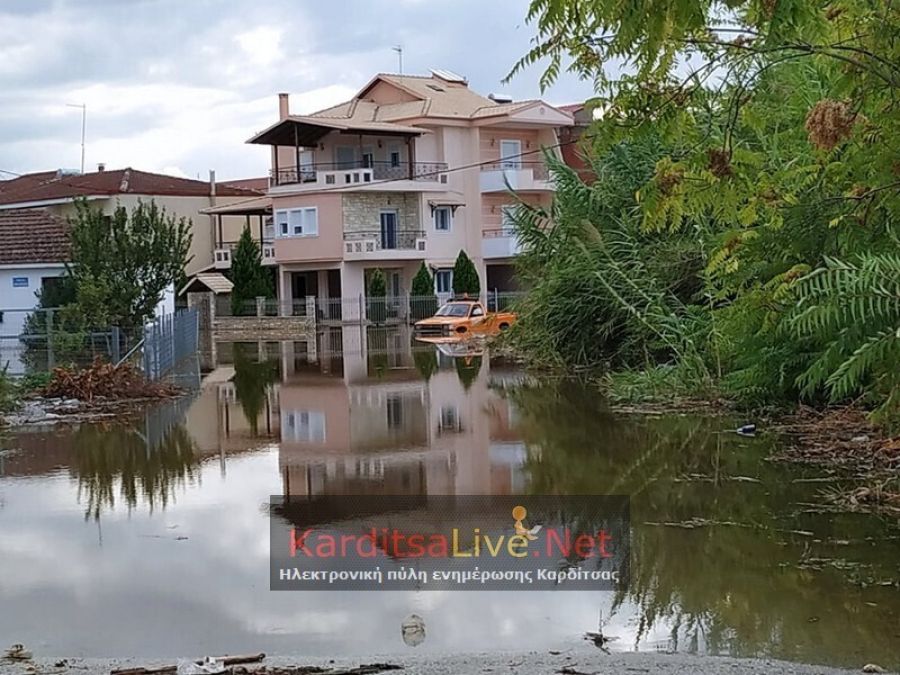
(504,326)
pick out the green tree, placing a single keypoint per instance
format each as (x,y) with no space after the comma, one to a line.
(124,262)
(251,280)
(777,154)
(465,277)
(423,301)
(375,296)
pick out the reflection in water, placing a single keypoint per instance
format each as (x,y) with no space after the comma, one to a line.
(727,559)
(105,457)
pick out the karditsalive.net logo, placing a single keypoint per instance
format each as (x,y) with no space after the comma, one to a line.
(496,543)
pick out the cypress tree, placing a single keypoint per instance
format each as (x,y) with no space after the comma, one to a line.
(250,278)
(465,277)
(423,301)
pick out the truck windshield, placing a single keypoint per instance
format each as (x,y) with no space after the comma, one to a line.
(457,309)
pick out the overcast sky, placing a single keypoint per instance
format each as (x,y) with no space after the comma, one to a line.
(179,85)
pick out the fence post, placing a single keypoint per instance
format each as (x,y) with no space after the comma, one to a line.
(51,360)
(362,310)
(115,336)
(260,306)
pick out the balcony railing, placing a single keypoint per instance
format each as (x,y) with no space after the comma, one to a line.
(224,252)
(372,241)
(539,170)
(350,173)
(500,242)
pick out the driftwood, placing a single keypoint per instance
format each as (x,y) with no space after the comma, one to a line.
(238,665)
(226,660)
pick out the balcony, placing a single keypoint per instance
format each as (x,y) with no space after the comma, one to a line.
(512,175)
(366,175)
(384,245)
(499,243)
(223,254)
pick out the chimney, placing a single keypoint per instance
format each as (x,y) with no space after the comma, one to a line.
(101,167)
(212,185)
(284,105)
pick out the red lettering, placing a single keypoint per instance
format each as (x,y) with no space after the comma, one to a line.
(299,544)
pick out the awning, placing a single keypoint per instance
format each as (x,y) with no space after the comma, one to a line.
(206,282)
(306,132)
(257,206)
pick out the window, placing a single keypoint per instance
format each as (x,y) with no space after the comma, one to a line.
(507,218)
(443,281)
(443,217)
(511,154)
(395,158)
(368,159)
(477,311)
(394,412)
(304,425)
(298,222)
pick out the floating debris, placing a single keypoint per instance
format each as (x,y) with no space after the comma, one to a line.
(413,629)
(18,653)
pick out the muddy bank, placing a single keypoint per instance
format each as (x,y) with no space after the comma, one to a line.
(567,662)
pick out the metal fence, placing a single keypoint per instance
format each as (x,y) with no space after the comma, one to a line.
(169,341)
(336,311)
(38,340)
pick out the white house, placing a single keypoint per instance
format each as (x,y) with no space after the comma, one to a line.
(34,248)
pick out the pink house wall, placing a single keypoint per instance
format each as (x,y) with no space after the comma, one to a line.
(328,245)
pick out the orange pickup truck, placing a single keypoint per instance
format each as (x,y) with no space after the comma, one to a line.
(462,318)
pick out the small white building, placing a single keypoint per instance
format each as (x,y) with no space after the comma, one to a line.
(34,249)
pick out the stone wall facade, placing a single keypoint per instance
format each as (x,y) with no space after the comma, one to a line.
(254,328)
(362,211)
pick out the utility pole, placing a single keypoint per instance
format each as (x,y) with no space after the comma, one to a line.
(83,107)
(399,50)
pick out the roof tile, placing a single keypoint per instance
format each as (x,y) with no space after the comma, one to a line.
(32,236)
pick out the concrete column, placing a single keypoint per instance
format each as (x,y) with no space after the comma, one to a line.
(352,288)
(285,297)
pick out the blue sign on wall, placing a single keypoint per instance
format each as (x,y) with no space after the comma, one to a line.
(20,282)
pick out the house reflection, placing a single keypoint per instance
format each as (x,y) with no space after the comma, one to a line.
(376,413)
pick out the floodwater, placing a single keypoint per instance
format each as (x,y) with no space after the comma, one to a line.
(151,538)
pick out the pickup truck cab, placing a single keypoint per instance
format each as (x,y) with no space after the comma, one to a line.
(462,318)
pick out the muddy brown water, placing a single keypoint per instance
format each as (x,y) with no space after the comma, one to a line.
(150,537)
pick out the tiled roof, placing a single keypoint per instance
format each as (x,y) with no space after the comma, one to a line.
(434,96)
(49,185)
(32,236)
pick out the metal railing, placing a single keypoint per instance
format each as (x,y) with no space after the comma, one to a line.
(539,170)
(387,239)
(168,341)
(375,170)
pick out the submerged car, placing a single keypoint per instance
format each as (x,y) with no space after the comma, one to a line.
(462,318)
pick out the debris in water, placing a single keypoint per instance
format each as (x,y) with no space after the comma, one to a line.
(18,653)
(873,668)
(746,430)
(413,629)
(209,666)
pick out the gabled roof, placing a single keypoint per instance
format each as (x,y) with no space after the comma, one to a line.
(32,236)
(55,185)
(388,100)
(216,282)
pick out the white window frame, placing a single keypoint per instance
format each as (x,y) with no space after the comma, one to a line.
(448,271)
(297,222)
(511,161)
(449,212)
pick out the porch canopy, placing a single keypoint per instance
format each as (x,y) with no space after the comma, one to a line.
(257,206)
(306,132)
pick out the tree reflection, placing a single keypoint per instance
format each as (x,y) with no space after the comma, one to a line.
(117,460)
(718,543)
(252,379)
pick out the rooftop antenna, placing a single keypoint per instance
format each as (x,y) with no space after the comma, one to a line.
(83,107)
(399,50)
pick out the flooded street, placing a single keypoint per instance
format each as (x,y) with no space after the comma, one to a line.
(152,538)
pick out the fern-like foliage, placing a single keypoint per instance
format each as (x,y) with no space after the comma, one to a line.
(853,308)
